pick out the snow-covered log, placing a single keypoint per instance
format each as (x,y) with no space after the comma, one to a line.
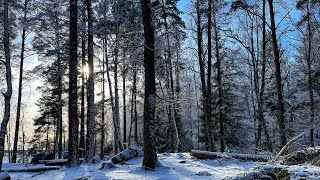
(213,155)
(33,169)
(132,152)
(5,176)
(107,165)
(285,148)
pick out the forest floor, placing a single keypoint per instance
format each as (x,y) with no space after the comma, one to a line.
(173,166)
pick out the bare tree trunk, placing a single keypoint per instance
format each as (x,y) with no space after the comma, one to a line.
(23,146)
(263,74)
(209,76)
(82,111)
(310,80)
(177,96)
(103,108)
(206,110)
(134,92)
(281,119)
(149,139)
(23,37)
(47,137)
(73,158)
(171,112)
(134,107)
(116,96)
(59,121)
(117,141)
(124,101)
(91,123)
(7,95)
(219,81)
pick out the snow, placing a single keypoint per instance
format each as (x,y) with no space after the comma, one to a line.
(173,166)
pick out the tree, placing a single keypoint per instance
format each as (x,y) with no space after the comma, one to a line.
(150,152)
(307,18)
(23,37)
(276,52)
(50,41)
(204,88)
(168,25)
(73,158)
(7,95)
(91,123)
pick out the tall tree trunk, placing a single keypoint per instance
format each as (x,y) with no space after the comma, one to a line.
(219,80)
(83,85)
(310,80)
(149,139)
(7,95)
(209,93)
(206,110)
(23,146)
(117,141)
(281,119)
(124,101)
(116,95)
(263,75)
(73,158)
(23,37)
(171,112)
(91,123)
(177,96)
(135,104)
(134,115)
(59,121)
(103,108)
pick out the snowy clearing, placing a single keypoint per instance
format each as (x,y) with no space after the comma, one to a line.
(174,166)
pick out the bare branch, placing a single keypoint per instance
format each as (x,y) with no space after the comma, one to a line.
(2,61)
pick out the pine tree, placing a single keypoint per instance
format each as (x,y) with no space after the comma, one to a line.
(91,122)
(73,158)
(7,95)
(150,152)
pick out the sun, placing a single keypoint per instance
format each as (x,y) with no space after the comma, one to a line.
(85,70)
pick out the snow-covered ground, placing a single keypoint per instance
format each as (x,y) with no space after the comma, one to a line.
(174,166)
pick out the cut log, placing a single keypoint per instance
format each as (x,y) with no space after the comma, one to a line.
(107,165)
(32,169)
(214,155)
(5,176)
(132,152)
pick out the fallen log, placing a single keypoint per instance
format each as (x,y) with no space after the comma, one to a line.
(32,169)
(107,165)
(285,148)
(58,162)
(214,155)
(127,154)
(5,176)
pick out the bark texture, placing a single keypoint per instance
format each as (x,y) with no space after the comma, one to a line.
(91,122)
(280,108)
(23,38)
(149,140)
(73,158)
(7,95)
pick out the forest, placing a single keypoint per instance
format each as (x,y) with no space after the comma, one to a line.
(184,84)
